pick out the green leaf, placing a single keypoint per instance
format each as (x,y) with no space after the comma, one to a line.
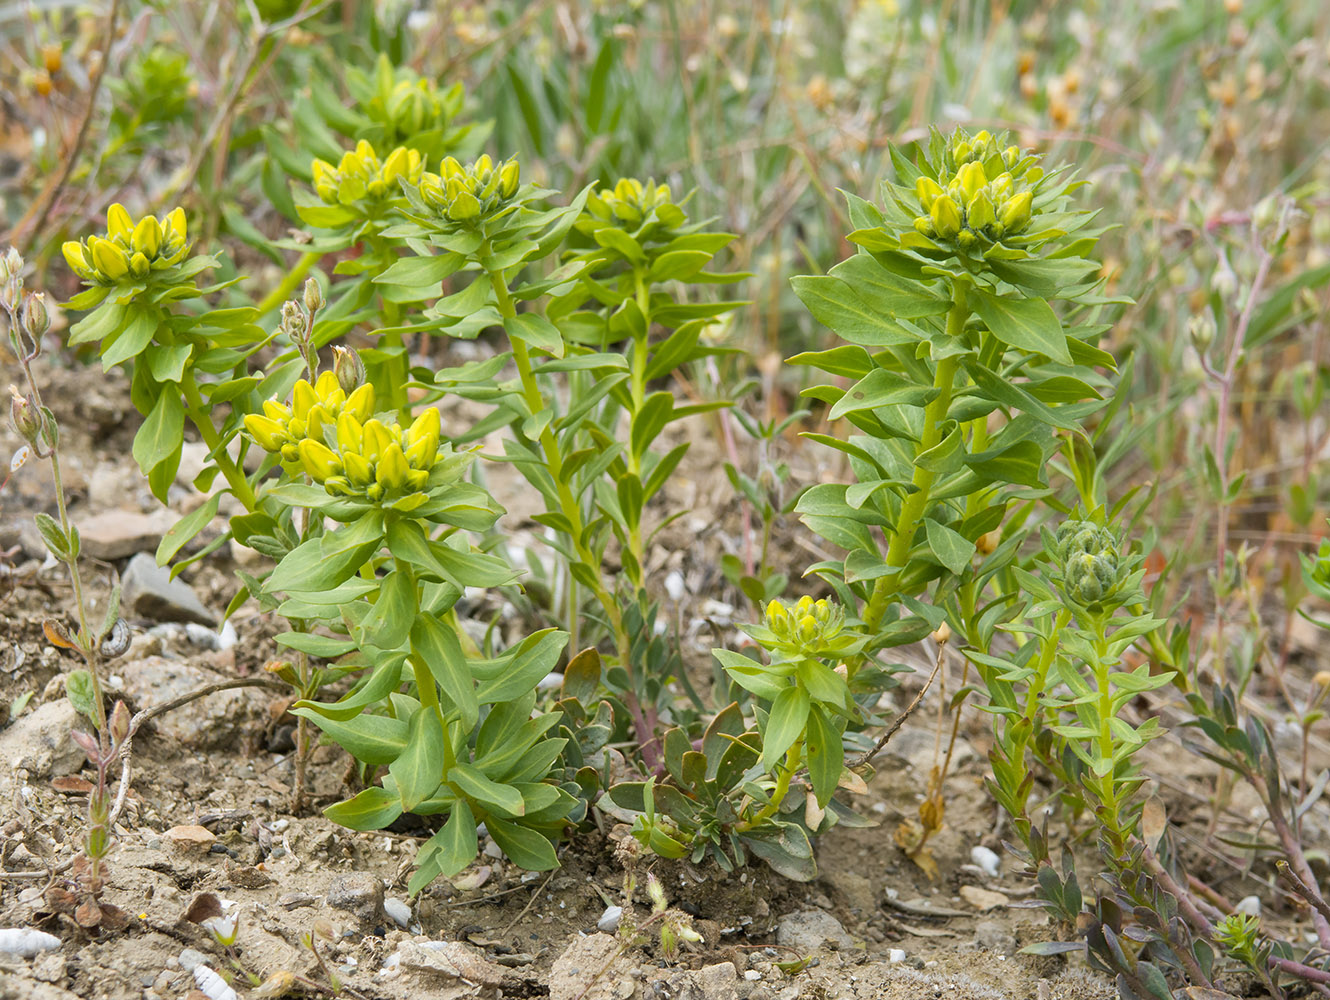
(186,528)
(535,331)
(372,809)
(320,564)
(1021,463)
(423,273)
(598,84)
(517,671)
(825,755)
(418,770)
(395,608)
(98,324)
(53,535)
(131,341)
(835,305)
(881,388)
(162,433)
(457,840)
(678,265)
(889,293)
(79,691)
(525,847)
(325,647)
(370,739)
(952,549)
(1025,324)
(435,645)
(505,800)
(166,362)
(649,421)
(785,723)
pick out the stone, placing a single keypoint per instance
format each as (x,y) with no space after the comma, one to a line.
(118,534)
(398,911)
(854,890)
(450,959)
(190,840)
(807,931)
(994,936)
(39,741)
(147,591)
(609,920)
(718,982)
(589,968)
(361,895)
(983,899)
(986,859)
(216,720)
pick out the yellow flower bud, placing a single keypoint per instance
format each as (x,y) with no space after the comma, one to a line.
(966,238)
(923,224)
(176,223)
(147,238)
(367,157)
(303,397)
(416,479)
(509,178)
(119,225)
(979,213)
(325,386)
(77,259)
(391,469)
(358,470)
(396,165)
(482,166)
(278,412)
(981,138)
(804,605)
(318,460)
(927,189)
(775,610)
(360,404)
(961,153)
(450,168)
(1000,187)
(108,258)
(946,218)
(316,421)
(807,628)
(375,440)
(350,434)
(1015,213)
(972,178)
(139,266)
(269,434)
(427,425)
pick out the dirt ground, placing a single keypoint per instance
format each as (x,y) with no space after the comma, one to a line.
(873,925)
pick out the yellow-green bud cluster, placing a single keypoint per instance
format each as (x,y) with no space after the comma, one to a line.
(333,438)
(360,174)
(314,411)
(809,624)
(1090,561)
(410,108)
(465,194)
(632,203)
(130,251)
(987,194)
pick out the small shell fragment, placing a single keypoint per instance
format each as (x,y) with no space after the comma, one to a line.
(26,942)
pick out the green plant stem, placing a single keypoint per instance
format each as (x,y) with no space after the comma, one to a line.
(916,504)
(793,758)
(573,513)
(200,416)
(1106,788)
(275,298)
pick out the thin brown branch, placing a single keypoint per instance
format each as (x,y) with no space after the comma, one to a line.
(899,721)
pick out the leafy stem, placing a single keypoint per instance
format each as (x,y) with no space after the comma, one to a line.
(201,417)
(916,504)
(793,758)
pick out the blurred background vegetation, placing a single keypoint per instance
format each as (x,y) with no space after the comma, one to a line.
(1201,126)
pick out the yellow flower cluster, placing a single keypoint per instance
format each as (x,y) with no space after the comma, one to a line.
(336,441)
(808,624)
(632,202)
(989,195)
(130,251)
(360,174)
(465,193)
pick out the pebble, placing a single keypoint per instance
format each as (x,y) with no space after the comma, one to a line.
(190,839)
(26,942)
(39,741)
(986,859)
(810,930)
(1250,905)
(147,591)
(191,959)
(360,894)
(896,955)
(752,975)
(398,911)
(118,534)
(609,920)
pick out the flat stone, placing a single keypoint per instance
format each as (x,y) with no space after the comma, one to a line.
(39,741)
(117,534)
(190,840)
(584,964)
(450,959)
(360,894)
(147,591)
(214,721)
(807,931)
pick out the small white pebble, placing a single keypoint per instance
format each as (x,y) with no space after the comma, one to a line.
(1250,905)
(398,911)
(752,975)
(609,920)
(226,636)
(985,859)
(674,586)
(279,825)
(896,955)
(26,942)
